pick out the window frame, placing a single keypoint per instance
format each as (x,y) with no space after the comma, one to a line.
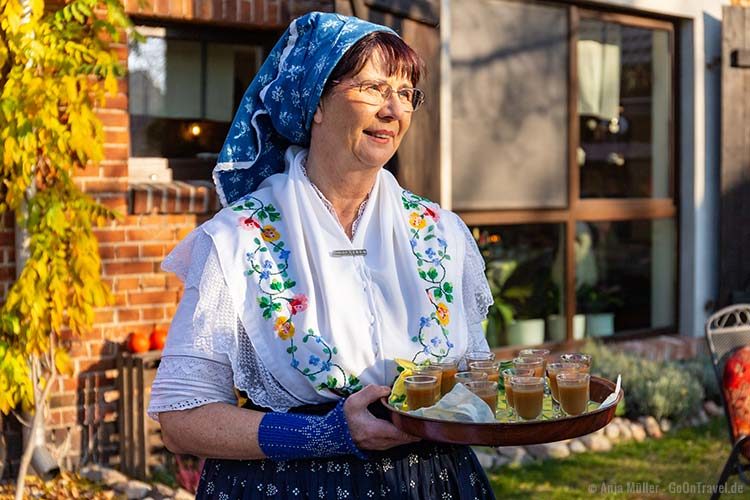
(600,209)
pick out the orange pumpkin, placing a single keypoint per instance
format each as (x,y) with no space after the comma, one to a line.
(157,339)
(736,384)
(138,342)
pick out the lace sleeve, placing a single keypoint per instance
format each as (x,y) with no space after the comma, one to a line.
(476,291)
(204,330)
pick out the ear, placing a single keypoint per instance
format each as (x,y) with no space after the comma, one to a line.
(318,116)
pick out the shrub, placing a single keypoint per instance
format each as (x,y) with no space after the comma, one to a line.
(660,389)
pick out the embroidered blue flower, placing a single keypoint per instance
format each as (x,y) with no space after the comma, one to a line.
(318,340)
(442,242)
(435,341)
(449,344)
(430,252)
(314,360)
(295,363)
(284,254)
(267,264)
(413,243)
(424,321)
(325,365)
(264,275)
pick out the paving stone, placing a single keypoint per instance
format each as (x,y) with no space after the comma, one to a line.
(135,490)
(665,425)
(576,446)
(638,431)
(651,426)
(183,494)
(596,442)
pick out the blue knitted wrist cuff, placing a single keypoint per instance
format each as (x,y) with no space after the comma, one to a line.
(292,436)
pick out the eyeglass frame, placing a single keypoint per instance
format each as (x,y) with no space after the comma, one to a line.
(418,93)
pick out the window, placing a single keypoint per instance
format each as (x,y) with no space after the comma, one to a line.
(184,88)
(564,167)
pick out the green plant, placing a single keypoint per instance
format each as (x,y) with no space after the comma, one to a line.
(56,66)
(598,298)
(659,389)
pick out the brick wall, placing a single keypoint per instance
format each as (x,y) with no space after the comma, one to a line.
(83,408)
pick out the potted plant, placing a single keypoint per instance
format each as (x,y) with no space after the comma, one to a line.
(556,320)
(598,303)
(502,312)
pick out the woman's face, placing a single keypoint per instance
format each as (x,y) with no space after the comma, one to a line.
(348,128)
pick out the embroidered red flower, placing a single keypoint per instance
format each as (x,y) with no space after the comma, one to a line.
(431,213)
(298,303)
(248,223)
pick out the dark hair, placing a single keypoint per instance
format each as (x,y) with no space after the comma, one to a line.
(398,57)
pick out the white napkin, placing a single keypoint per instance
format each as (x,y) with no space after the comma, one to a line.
(459,405)
(610,400)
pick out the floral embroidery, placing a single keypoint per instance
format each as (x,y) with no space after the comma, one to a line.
(277,299)
(433,334)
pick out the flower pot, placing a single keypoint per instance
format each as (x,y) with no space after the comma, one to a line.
(600,324)
(556,327)
(526,332)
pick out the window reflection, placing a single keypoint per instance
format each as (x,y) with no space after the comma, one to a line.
(623,103)
(625,275)
(525,273)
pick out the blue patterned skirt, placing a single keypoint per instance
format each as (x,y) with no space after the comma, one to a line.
(422,470)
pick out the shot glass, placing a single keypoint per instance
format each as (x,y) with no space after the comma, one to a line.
(466,377)
(491,368)
(473,356)
(573,391)
(535,353)
(507,374)
(487,390)
(528,397)
(430,370)
(421,391)
(533,362)
(578,357)
(449,368)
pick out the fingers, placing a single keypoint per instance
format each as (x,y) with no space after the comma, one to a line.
(369,432)
(368,395)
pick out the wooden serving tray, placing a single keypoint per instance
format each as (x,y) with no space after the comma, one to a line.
(511,433)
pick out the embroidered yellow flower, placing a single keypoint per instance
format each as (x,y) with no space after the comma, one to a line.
(416,220)
(284,328)
(269,233)
(443,315)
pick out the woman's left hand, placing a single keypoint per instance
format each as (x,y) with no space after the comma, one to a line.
(368,431)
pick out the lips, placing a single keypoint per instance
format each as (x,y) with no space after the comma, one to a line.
(380,134)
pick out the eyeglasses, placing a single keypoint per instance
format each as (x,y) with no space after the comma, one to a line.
(376,93)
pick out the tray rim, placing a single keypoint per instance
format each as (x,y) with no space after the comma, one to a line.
(427,425)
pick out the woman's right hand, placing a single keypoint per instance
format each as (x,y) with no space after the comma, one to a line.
(368,431)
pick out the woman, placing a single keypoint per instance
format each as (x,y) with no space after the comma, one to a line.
(320,271)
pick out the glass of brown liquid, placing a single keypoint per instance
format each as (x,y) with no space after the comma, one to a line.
(487,390)
(573,391)
(473,356)
(535,353)
(449,368)
(507,374)
(421,391)
(432,371)
(577,357)
(530,362)
(491,368)
(528,396)
(552,370)
(466,377)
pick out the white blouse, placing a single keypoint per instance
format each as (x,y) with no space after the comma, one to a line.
(192,373)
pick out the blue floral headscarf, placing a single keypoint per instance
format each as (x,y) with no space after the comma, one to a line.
(278,106)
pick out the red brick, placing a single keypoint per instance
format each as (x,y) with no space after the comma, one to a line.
(109,235)
(91,170)
(173,281)
(114,118)
(119,101)
(104,316)
(153,313)
(115,152)
(152,250)
(121,299)
(118,169)
(161,7)
(126,251)
(151,234)
(125,315)
(114,268)
(161,297)
(117,202)
(116,137)
(104,349)
(154,281)
(107,252)
(64,416)
(126,284)
(63,400)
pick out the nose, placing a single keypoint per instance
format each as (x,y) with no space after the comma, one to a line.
(392,108)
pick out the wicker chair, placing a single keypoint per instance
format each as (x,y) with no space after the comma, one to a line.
(727,330)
